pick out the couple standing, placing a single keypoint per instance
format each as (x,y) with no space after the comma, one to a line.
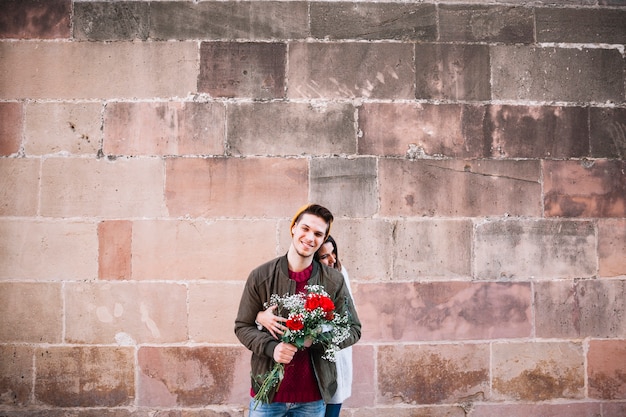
(309,382)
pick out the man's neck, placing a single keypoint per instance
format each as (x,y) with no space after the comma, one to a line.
(297,262)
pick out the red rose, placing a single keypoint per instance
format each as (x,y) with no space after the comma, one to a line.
(312,302)
(326,304)
(295,323)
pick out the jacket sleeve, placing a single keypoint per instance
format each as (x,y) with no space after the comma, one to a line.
(261,343)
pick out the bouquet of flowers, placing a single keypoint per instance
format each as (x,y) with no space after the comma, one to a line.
(310,316)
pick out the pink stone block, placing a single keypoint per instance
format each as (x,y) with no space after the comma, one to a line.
(31,312)
(16,374)
(405,312)
(459,188)
(537,371)
(606,367)
(192,376)
(351,69)
(53,128)
(85,376)
(114,249)
(48,250)
(164,128)
(212,311)
(11,122)
(431,374)
(19,186)
(585,188)
(100,187)
(125,313)
(364,377)
(250,187)
(220,250)
(99,70)
(418,130)
(32,19)
(574,409)
(612,247)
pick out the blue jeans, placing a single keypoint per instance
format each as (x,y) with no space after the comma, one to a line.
(312,409)
(332,410)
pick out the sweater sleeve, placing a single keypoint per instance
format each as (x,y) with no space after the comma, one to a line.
(345,304)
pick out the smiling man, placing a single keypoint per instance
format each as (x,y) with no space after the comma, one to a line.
(309,380)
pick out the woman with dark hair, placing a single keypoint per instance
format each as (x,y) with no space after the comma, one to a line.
(328,254)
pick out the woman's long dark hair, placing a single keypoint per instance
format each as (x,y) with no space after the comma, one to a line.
(335,252)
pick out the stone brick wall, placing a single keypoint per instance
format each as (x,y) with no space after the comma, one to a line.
(152,153)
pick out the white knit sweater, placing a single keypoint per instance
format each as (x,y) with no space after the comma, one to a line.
(344,363)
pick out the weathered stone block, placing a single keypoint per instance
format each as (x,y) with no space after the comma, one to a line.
(537,131)
(575,409)
(213,309)
(39,70)
(608,132)
(408,22)
(238,69)
(256,187)
(165,128)
(606,362)
(31,312)
(580,25)
(19,184)
(350,70)
(126,313)
(452,72)
(478,23)
(532,371)
(419,130)
(431,374)
(364,377)
(114,249)
(581,308)
(443,311)
(16,372)
(48,251)
(423,248)
(585,188)
(35,19)
(535,249)
(111,21)
(85,376)
(348,187)
(365,247)
(556,74)
(459,188)
(250,20)
(282,128)
(11,122)
(193,376)
(102,187)
(74,128)
(178,249)
(410,411)
(612,247)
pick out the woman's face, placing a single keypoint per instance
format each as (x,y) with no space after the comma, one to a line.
(326,254)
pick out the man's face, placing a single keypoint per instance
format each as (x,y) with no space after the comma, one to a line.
(308,234)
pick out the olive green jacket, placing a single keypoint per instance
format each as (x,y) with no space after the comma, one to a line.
(273,278)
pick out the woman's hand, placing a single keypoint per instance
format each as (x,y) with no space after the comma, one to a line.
(272,322)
